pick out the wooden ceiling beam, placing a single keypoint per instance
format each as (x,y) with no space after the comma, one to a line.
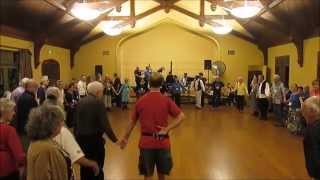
(218,17)
(148,12)
(132,13)
(267,7)
(201,18)
(167,4)
(211,23)
(273,26)
(68,4)
(117,18)
(137,17)
(55,4)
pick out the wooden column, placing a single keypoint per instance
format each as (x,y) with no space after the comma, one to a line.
(73,52)
(264,50)
(132,13)
(201,20)
(38,44)
(298,42)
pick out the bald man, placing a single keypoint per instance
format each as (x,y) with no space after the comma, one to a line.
(311,142)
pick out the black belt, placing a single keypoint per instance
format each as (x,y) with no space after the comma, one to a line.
(156,135)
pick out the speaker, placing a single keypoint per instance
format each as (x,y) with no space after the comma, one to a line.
(98,69)
(207,64)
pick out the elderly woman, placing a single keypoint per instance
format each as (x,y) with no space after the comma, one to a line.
(11,152)
(45,159)
(311,142)
(278,98)
(65,139)
(242,91)
(254,85)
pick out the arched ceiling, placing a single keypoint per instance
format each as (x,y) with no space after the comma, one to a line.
(50,21)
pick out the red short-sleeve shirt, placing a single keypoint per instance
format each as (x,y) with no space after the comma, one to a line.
(153,110)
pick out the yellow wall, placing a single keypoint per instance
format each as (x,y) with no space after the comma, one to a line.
(246,55)
(91,54)
(47,52)
(163,43)
(300,75)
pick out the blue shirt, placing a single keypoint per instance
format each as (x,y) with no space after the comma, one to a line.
(295,101)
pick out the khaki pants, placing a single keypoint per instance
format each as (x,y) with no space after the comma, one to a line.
(108,101)
(198,99)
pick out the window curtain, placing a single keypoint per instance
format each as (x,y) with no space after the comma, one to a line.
(24,63)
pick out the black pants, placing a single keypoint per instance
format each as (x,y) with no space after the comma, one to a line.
(216,100)
(263,105)
(93,148)
(176,98)
(12,176)
(202,99)
(240,102)
(118,100)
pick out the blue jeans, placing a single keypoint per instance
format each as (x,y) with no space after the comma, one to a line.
(277,109)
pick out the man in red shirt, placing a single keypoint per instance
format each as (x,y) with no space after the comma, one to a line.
(153,111)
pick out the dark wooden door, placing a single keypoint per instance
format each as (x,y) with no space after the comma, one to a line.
(282,68)
(51,68)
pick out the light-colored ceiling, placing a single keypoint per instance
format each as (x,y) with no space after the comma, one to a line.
(160,16)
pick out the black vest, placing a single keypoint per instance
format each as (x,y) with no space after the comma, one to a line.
(263,87)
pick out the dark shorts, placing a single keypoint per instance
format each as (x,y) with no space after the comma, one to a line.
(151,158)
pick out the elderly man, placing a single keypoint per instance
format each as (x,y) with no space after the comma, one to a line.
(15,95)
(278,98)
(262,97)
(82,86)
(199,88)
(311,142)
(91,123)
(41,93)
(26,102)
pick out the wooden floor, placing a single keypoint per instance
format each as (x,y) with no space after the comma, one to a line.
(220,144)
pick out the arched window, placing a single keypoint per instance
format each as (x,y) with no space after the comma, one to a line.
(51,68)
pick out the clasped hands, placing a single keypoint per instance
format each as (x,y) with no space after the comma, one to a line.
(122,143)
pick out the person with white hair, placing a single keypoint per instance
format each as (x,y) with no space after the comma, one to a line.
(60,85)
(311,141)
(15,95)
(262,97)
(199,88)
(82,86)
(242,91)
(91,123)
(41,93)
(278,98)
(65,138)
(26,102)
(11,154)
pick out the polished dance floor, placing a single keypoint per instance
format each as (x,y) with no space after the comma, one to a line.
(220,144)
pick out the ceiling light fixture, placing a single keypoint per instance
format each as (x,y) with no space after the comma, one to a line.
(111,28)
(222,27)
(84,12)
(247,11)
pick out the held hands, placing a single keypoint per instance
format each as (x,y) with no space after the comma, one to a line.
(95,168)
(122,143)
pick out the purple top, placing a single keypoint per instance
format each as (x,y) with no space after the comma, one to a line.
(15,95)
